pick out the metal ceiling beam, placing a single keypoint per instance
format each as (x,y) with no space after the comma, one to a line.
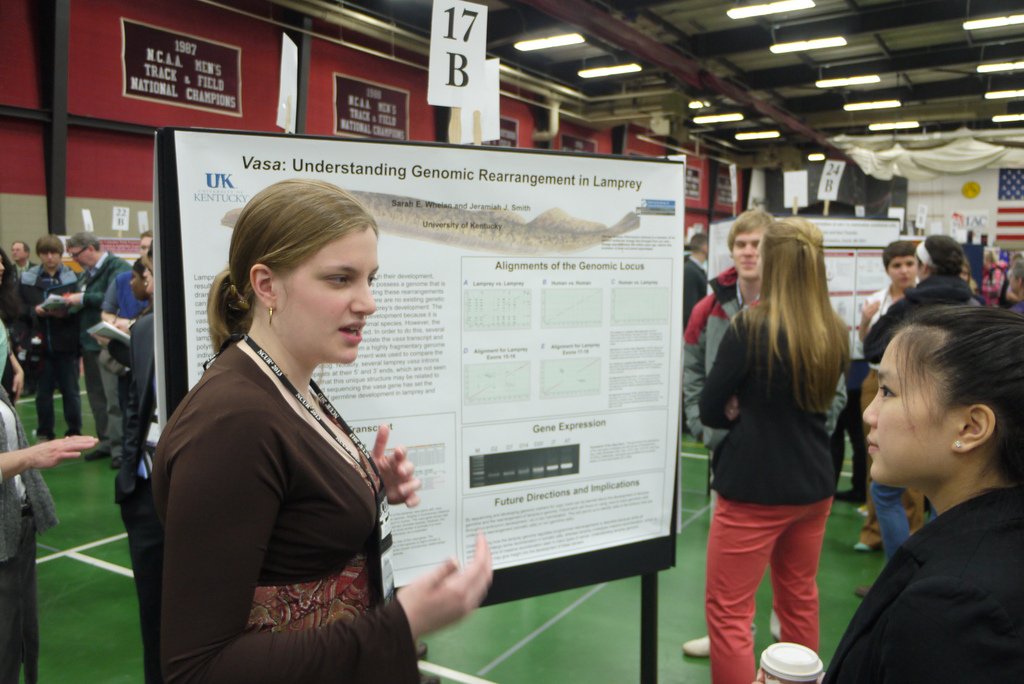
(874,19)
(935,57)
(971,86)
(592,20)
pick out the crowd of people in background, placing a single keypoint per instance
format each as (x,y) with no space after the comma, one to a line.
(746,378)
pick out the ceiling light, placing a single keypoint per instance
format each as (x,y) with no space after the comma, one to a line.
(757,135)
(817,156)
(1003,118)
(609,71)
(699,104)
(717,118)
(770,8)
(855,80)
(552,42)
(994,22)
(1006,66)
(1000,94)
(861,106)
(893,126)
(838,41)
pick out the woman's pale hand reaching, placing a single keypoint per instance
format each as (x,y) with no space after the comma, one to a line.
(447,594)
(396,470)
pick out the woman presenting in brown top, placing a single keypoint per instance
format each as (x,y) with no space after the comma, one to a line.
(277,552)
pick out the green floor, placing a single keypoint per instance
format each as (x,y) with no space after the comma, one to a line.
(89,622)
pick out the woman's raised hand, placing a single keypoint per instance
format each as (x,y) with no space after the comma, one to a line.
(396,470)
(446,595)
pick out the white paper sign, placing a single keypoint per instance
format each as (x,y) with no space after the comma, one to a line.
(922,216)
(858,210)
(143,221)
(288,93)
(120,220)
(831,175)
(87,220)
(901,214)
(458,40)
(794,188)
(481,117)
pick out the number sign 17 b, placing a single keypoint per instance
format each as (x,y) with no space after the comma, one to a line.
(458,42)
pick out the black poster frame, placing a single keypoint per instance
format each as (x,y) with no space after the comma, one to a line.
(643,558)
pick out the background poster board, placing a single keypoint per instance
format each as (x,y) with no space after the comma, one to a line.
(526,348)
(853,262)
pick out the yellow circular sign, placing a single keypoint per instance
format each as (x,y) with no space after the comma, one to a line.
(971,190)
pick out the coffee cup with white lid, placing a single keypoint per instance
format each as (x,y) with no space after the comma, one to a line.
(790,664)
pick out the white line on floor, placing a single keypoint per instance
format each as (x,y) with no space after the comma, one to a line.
(33,398)
(542,628)
(696,457)
(101,542)
(568,610)
(441,671)
(102,564)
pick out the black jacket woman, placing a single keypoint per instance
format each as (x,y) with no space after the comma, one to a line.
(949,606)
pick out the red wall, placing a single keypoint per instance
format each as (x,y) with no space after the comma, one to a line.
(95,83)
(19,65)
(636,146)
(523,113)
(109,165)
(326,58)
(21,157)
(566,127)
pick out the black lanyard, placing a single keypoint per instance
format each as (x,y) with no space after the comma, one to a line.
(331,411)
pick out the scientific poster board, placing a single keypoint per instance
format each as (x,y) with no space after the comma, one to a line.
(526,348)
(853,262)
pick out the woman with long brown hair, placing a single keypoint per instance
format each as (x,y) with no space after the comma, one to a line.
(775,386)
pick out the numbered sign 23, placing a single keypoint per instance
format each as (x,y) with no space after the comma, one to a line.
(458,41)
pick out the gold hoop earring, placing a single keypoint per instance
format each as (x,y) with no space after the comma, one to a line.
(270,323)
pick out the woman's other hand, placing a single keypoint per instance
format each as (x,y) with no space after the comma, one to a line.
(396,471)
(446,595)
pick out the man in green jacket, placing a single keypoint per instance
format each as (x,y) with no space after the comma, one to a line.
(98,270)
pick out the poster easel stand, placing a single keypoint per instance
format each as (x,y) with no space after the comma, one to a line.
(649,628)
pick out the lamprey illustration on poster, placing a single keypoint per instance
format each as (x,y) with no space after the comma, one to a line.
(527,342)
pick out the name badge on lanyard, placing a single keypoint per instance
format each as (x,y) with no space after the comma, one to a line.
(385,548)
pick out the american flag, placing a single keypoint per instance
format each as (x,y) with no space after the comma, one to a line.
(1010,210)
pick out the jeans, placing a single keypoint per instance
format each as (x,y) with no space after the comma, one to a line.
(892,518)
(60,371)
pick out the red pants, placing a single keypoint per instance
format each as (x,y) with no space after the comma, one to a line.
(744,539)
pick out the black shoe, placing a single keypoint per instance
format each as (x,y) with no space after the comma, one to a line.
(95,455)
(429,679)
(115,463)
(851,495)
(421,650)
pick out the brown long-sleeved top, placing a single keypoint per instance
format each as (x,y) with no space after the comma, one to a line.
(250,495)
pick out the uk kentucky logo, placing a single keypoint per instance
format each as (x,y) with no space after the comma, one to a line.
(219,180)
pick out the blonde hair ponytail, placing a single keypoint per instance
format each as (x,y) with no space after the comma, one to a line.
(794,300)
